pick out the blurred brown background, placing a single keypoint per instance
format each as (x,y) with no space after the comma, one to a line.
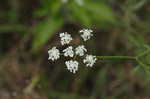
(28,28)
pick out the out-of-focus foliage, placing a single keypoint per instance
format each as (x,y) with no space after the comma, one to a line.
(121,27)
(88,14)
(45,30)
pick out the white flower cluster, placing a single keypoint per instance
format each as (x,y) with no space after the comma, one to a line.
(68,51)
(86,34)
(90,60)
(54,54)
(65,38)
(72,65)
(80,50)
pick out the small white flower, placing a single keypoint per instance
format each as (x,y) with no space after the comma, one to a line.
(72,66)
(54,54)
(86,34)
(68,51)
(80,50)
(90,60)
(65,38)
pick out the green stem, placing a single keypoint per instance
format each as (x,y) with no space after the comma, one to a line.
(142,64)
(116,57)
(32,85)
(136,58)
(144,53)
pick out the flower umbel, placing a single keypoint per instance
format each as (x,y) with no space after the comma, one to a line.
(65,38)
(72,66)
(89,60)
(80,50)
(71,52)
(54,54)
(68,51)
(86,34)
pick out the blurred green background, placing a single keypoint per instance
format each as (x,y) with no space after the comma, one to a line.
(28,28)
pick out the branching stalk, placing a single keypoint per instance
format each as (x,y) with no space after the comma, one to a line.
(116,57)
(36,78)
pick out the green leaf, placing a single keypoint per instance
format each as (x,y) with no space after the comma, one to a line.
(13,28)
(100,12)
(80,14)
(93,13)
(41,12)
(45,31)
(48,7)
